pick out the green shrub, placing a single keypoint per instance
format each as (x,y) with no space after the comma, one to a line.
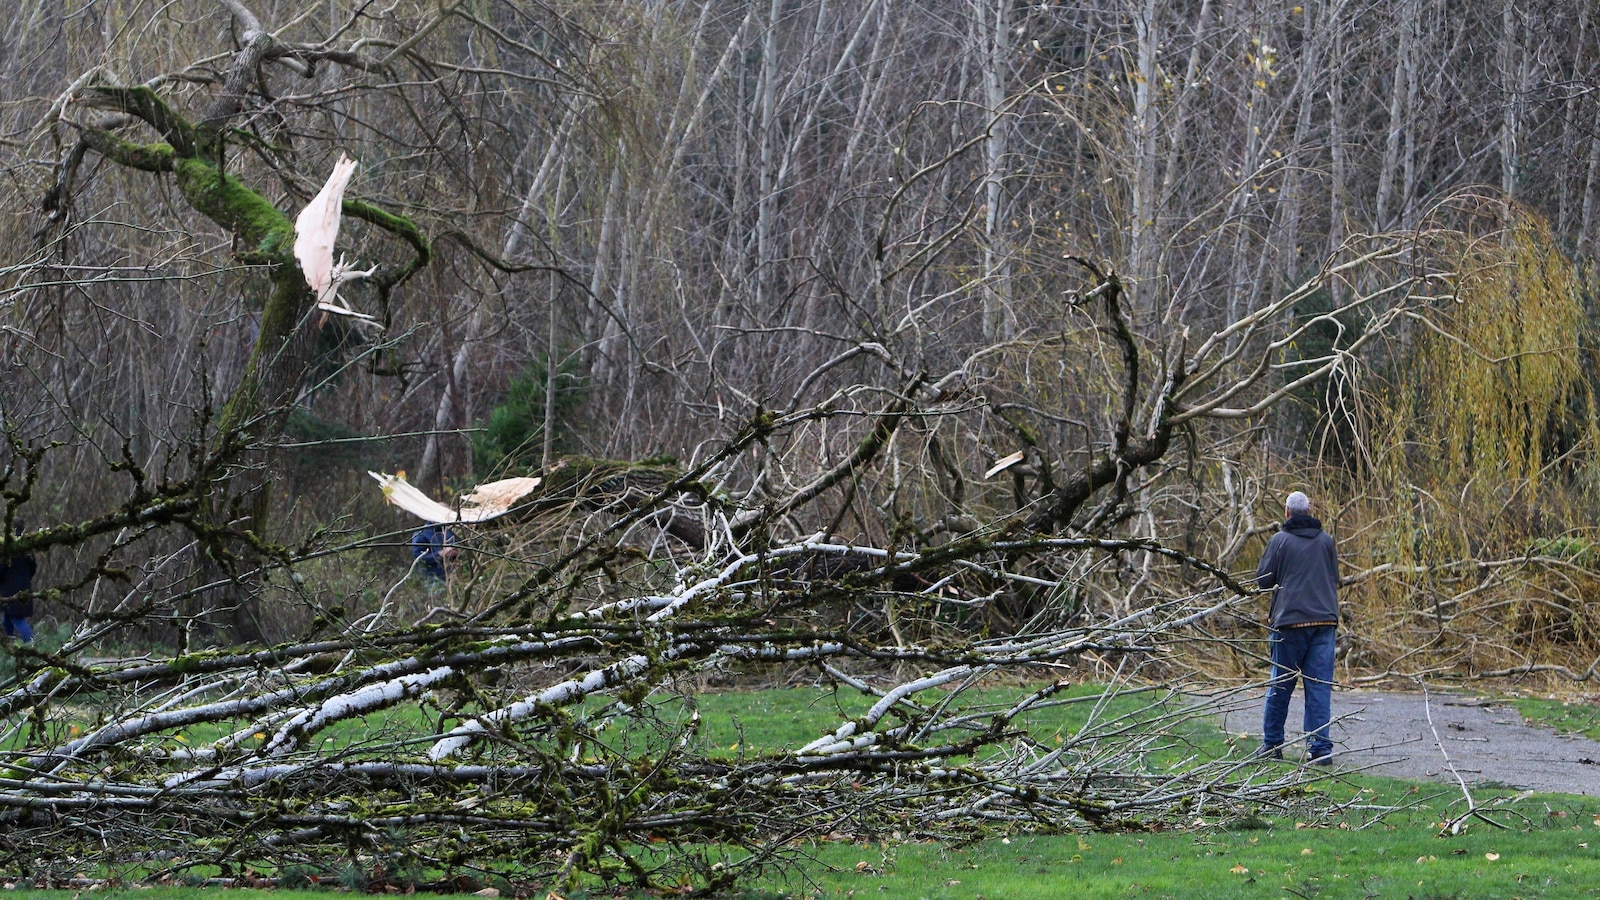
(513,435)
(1575,550)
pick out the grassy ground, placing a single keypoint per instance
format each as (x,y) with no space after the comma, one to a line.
(1379,837)
(1550,849)
(1275,863)
(1373,837)
(1565,716)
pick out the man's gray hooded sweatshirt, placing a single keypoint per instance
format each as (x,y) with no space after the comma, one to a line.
(1303,565)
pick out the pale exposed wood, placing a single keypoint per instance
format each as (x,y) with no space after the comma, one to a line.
(481,504)
(316,230)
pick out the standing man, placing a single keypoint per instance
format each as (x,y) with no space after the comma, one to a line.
(1302,565)
(16,577)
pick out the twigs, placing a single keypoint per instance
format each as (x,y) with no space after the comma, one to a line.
(1456,823)
(560,768)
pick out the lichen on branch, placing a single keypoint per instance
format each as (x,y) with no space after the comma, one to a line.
(145,104)
(223,199)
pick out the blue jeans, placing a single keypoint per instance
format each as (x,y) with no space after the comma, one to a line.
(1305,654)
(16,626)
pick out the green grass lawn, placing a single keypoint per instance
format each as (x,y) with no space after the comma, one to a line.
(1565,716)
(1356,837)
(1374,837)
(1550,850)
(1548,856)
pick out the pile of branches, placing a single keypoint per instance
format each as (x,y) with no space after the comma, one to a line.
(544,726)
(541,740)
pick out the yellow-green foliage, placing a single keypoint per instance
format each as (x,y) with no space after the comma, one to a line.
(1505,358)
(1483,454)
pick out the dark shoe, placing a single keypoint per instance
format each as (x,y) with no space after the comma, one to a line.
(1269,753)
(1326,759)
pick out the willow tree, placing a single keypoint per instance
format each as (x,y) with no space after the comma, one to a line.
(1500,361)
(1481,462)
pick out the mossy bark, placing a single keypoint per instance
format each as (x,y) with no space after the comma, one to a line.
(259,406)
(259,226)
(237,526)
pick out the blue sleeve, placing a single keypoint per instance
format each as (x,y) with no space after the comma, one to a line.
(421,543)
(1267,571)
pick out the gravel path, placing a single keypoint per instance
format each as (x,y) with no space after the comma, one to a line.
(1390,734)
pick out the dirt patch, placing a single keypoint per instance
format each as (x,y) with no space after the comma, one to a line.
(1391,734)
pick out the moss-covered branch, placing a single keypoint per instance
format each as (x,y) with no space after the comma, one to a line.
(401,227)
(144,157)
(223,199)
(146,105)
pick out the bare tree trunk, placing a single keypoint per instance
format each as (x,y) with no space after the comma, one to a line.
(1516,71)
(446,413)
(1309,77)
(600,321)
(552,375)
(1591,185)
(1338,146)
(767,177)
(992,35)
(1567,203)
(1144,229)
(1241,287)
(1404,74)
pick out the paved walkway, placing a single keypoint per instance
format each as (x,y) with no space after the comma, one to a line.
(1390,734)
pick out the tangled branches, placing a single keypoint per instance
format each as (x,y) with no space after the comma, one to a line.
(551,720)
(574,744)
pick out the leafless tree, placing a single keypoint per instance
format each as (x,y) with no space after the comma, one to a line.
(964,336)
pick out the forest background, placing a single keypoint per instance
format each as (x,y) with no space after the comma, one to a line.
(1055,300)
(707,208)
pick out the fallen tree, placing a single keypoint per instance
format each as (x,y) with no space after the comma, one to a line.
(948,529)
(560,745)
(545,726)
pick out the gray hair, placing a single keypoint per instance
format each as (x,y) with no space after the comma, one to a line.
(1297,504)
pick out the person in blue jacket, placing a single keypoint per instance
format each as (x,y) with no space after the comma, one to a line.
(1301,566)
(16,577)
(432,550)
